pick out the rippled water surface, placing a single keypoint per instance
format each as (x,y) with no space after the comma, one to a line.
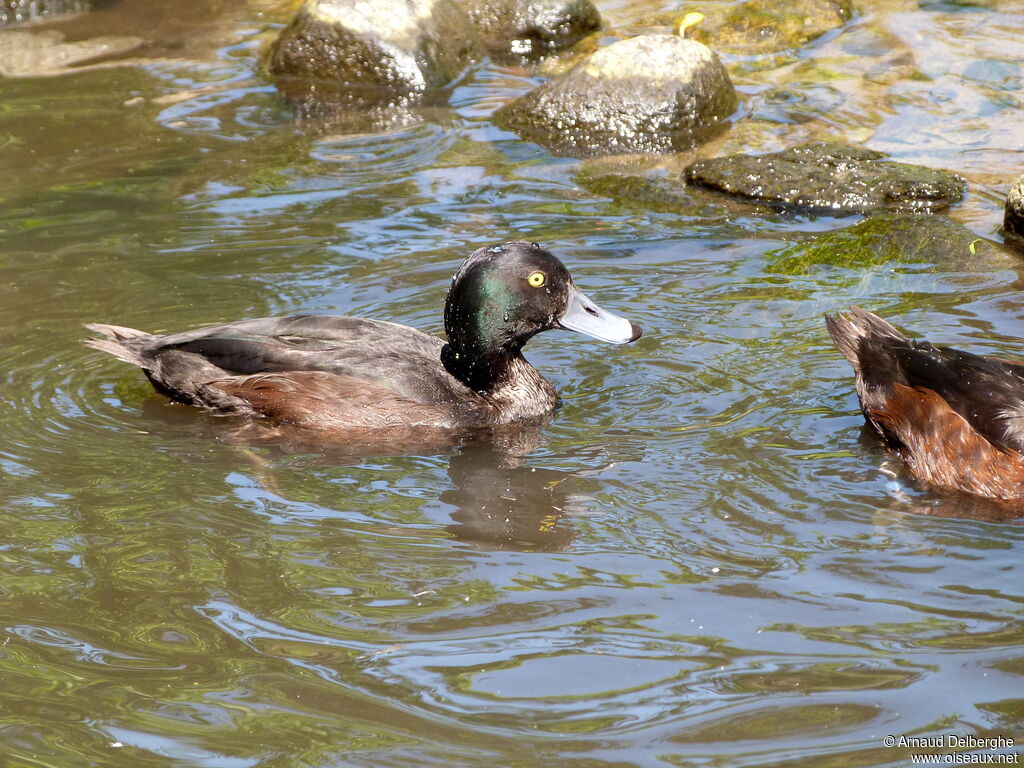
(704,561)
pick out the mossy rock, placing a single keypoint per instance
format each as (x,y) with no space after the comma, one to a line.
(656,191)
(530,29)
(360,63)
(887,238)
(1013,220)
(363,55)
(832,178)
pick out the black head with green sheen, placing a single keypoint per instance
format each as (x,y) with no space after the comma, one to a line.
(502,296)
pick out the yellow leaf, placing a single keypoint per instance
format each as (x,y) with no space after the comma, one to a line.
(691,19)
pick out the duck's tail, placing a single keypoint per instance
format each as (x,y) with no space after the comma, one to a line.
(849,330)
(115,344)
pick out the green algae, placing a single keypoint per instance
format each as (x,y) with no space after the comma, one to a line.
(886,238)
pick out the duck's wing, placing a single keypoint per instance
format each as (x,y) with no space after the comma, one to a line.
(391,357)
(985,392)
(327,402)
(325,330)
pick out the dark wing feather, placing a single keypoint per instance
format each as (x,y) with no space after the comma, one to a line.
(403,359)
(986,392)
(326,329)
(395,364)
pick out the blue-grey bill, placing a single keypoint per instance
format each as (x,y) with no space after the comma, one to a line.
(584,316)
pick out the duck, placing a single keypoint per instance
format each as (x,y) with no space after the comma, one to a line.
(956,419)
(360,379)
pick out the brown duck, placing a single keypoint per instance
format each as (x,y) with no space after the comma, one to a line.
(955,418)
(358,378)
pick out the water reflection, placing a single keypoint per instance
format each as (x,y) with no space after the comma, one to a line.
(496,496)
(501,501)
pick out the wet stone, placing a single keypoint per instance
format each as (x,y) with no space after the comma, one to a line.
(829,178)
(653,93)
(340,55)
(40,54)
(349,53)
(15,11)
(1013,220)
(651,190)
(529,29)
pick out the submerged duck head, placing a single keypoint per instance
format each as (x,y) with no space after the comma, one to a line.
(505,294)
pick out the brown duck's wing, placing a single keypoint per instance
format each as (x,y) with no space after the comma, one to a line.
(323,401)
(987,393)
(941,447)
(396,357)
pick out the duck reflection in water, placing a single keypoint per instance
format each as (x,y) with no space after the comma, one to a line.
(498,501)
(494,499)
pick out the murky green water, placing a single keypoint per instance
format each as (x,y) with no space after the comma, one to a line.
(704,563)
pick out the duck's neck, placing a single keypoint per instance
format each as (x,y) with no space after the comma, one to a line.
(523,395)
(503,377)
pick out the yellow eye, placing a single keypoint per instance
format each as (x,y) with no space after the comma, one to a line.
(536,279)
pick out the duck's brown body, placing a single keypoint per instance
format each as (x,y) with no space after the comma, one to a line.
(955,418)
(329,373)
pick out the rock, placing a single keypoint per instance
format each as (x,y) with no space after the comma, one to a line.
(372,55)
(39,54)
(340,54)
(650,190)
(892,238)
(529,29)
(765,26)
(653,93)
(14,11)
(759,26)
(1013,220)
(561,62)
(829,177)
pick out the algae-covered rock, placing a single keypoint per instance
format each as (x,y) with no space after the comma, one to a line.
(1013,220)
(653,93)
(14,11)
(829,177)
(652,190)
(758,26)
(888,238)
(529,29)
(354,53)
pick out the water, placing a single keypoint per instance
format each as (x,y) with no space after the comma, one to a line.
(704,562)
